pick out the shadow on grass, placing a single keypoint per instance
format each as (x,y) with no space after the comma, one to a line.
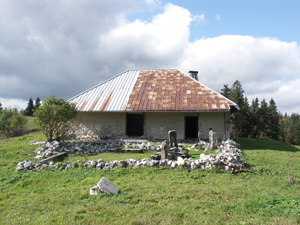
(254,144)
(60,158)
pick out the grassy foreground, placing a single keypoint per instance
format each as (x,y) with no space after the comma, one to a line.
(151,195)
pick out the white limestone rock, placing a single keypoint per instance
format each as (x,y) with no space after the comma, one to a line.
(107,186)
(194,166)
(39,157)
(180,161)
(174,164)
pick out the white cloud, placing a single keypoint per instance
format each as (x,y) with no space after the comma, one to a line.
(217,17)
(152,3)
(13,103)
(263,65)
(199,19)
(285,96)
(156,43)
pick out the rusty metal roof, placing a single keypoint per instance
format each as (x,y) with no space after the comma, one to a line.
(151,90)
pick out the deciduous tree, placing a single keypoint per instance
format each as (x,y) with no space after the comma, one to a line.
(54,117)
(12,123)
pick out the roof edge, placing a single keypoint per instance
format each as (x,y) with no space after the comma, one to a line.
(233,103)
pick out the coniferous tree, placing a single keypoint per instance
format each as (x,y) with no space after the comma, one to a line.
(263,119)
(238,119)
(254,118)
(237,93)
(226,91)
(29,110)
(0,108)
(258,120)
(246,112)
(296,133)
(37,103)
(273,122)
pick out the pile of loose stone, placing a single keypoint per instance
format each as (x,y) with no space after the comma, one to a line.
(228,156)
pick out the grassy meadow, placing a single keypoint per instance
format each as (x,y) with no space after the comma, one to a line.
(152,195)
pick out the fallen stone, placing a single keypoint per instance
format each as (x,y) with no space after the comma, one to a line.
(107,186)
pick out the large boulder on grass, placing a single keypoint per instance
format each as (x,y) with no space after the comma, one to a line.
(107,186)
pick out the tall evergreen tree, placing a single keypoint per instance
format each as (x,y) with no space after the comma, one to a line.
(247,114)
(0,108)
(226,91)
(273,122)
(263,118)
(254,118)
(29,110)
(37,103)
(239,118)
(237,93)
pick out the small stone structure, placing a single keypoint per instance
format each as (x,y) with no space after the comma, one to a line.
(173,138)
(211,144)
(165,150)
(229,157)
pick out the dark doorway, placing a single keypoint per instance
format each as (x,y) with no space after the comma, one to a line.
(135,124)
(191,127)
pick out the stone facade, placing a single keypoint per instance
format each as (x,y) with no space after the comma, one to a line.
(100,125)
(156,124)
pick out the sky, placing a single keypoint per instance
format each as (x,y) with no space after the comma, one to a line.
(63,47)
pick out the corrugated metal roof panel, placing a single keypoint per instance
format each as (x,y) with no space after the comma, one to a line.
(110,95)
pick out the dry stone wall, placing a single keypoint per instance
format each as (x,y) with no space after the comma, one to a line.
(228,156)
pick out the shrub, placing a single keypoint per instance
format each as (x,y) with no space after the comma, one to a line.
(54,118)
(12,123)
(75,165)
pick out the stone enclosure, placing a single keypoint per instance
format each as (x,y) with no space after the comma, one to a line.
(227,156)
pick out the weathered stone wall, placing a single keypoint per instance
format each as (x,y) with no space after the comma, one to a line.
(158,124)
(101,125)
(214,120)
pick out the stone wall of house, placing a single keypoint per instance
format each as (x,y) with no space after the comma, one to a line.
(100,125)
(214,120)
(158,124)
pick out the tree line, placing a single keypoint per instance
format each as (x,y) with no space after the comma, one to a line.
(258,120)
(290,128)
(31,107)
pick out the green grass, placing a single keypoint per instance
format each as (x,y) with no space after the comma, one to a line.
(151,195)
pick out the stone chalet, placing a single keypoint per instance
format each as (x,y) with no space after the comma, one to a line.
(149,103)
